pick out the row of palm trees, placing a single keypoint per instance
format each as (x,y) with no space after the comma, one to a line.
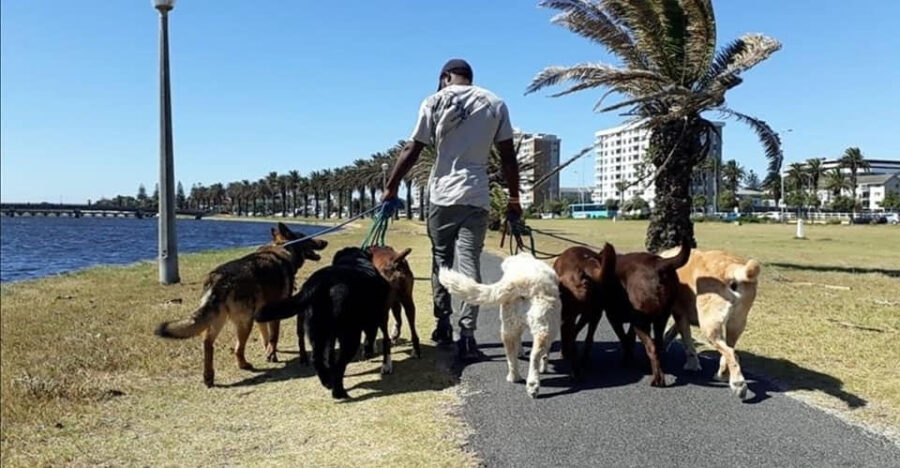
(341,191)
(803,178)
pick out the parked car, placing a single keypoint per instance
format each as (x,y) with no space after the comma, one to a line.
(893,218)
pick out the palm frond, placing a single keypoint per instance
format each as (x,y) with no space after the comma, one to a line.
(591,75)
(642,19)
(738,57)
(700,47)
(589,20)
(768,137)
(668,91)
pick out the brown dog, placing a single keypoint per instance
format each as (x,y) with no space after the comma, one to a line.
(395,269)
(583,277)
(644,297)
(238,289)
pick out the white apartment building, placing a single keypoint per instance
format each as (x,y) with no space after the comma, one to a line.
(543,150)
(620,153)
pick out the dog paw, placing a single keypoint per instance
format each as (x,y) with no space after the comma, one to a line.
(721,376)
(387,368)
(739,388)
(339,394)
(692,364)
(512,378)
(208,380)
(245,365)
(272,357)
(658,382)
(533,388)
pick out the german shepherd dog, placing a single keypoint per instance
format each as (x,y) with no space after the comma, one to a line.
(238,289)
(337,304)
(395,269)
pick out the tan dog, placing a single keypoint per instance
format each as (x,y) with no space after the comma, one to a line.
(238,289)
(395,269)
(716,293)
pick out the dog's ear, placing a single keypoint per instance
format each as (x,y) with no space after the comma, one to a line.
(399,258)
(286,232)
(276,238)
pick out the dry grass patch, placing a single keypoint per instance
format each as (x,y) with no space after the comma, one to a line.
(826,321)
(84,381)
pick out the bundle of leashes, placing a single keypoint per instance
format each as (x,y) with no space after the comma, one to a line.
(381,221)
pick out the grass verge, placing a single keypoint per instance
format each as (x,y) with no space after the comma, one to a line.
(85,382)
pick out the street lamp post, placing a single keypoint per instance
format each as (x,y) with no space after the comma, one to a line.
(168,246)
(783,198)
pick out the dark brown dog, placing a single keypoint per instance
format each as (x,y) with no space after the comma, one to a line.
(395,269)
(584,275)
(643,297)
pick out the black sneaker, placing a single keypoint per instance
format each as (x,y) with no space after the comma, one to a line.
(468,350)
(442,335)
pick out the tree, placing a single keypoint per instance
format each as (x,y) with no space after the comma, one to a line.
(612,204)
(745,205)
(891,201)
(813,174)
(142,196)
(155,197)
(727,200)
(732,175)
(180,199)
(752,181)
(635,203)
(836,181)
(670,76)
(854,160)
(844,203)
(699,202)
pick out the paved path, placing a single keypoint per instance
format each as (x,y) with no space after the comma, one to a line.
(616,419)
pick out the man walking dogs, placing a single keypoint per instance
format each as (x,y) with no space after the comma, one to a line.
(461,121)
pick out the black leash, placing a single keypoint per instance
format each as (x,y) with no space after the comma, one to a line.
(516,230)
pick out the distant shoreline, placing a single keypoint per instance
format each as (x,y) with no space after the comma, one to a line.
(275,219)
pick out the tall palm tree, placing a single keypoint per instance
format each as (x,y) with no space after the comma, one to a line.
(265,191)
(294,185)
(327,179)
(284,186)
(813,174)
(421,171)
(315,185)
(233,190)
(216,195)
(273,184)
(246,194)
(339,185)
(732,175)
(361,178)
(854,160)
(670,76)
(836,181)
(304,187)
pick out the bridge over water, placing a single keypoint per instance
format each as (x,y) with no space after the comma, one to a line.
(78,211)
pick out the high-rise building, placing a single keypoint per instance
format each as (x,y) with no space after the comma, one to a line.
(620,161)
(543,150)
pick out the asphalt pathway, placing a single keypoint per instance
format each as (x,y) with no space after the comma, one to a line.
(614,417)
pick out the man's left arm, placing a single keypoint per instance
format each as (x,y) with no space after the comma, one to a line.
(509,164)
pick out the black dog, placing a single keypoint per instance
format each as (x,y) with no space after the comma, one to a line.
(339,303)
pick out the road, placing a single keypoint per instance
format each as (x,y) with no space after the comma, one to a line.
(615,418)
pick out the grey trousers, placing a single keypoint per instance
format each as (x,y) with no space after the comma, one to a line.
(456,230)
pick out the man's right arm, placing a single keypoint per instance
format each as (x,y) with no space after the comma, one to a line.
(408,156)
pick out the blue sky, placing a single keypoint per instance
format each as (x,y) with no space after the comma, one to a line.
(279,85)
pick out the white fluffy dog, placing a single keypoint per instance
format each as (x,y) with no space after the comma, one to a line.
(528,294)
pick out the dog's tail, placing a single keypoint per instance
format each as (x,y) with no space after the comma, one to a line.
(285,308)
(196,323)
(472,291)
(678,261)
(749,273)
(608,256)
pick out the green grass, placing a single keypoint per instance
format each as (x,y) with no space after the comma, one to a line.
(84,381)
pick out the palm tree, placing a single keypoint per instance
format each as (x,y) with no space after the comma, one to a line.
(854,160)
(265,191)
(836,181)
(233,190)
(294,185)
(247,195)
(217,195)
(752,181)
(338,184)
(315,185)
(420,174)
(284,186)
(304,187)
(670,75)
(360,178)
(327,180)
(796,176)
(813,174)
(732,175)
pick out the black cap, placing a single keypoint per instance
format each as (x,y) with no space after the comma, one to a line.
(457,66)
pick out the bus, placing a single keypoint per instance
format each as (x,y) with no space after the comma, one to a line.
(590,211)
